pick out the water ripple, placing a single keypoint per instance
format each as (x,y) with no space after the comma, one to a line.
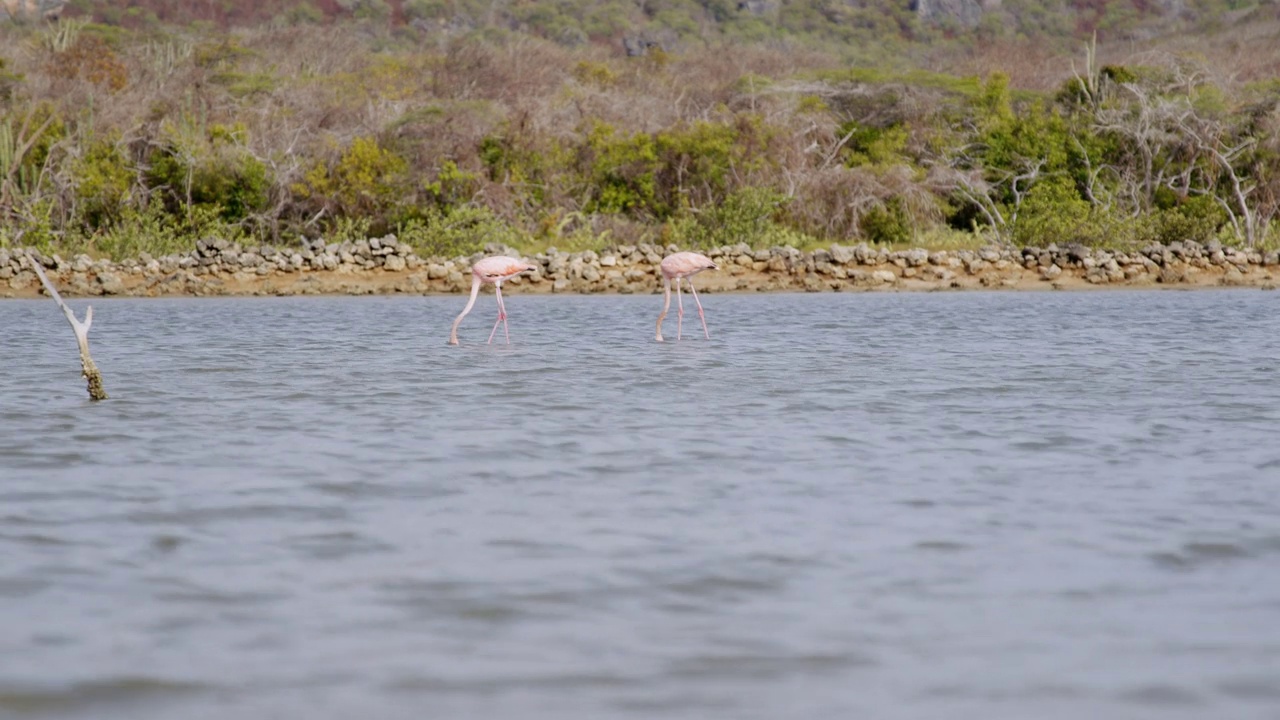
(988,505)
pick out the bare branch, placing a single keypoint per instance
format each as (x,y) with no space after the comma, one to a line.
(81,329)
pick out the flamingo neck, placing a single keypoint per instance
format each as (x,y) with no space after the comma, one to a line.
(475,290)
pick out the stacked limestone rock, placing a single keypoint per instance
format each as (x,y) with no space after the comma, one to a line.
(1171,263)
(215,256)
(384,264)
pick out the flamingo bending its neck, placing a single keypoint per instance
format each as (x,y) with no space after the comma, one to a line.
(682,266)
(491,270)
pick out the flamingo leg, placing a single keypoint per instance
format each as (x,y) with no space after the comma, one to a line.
(497,321)
(502,313)
(666,305)
(701,316)
(679,309)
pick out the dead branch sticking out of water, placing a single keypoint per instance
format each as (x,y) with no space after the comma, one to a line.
(81,329)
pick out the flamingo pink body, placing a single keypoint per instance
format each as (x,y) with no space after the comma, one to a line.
(491,270)
(682,266)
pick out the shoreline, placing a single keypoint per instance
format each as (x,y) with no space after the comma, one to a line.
(383,266)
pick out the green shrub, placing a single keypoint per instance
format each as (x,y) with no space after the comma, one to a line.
(748,215)
(1197,218)
(696,166)
(456,231)
(151,229)
(620,169)
(594,73)
(887,224)
(365,179)
(9,81)
(348,229)
(569,232)
(1053,212)
(874,145)
(528,166)
(104,178)
(453,186)
(211,169)
(304,13)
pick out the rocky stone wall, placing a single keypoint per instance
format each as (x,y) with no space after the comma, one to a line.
(385,265)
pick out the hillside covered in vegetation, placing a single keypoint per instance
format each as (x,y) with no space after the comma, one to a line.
(452,123)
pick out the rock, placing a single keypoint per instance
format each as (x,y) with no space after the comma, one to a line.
(917,257)
(395,263)
(608,261)
(111,284)
(590,273)
(883,276)
(842,255)
(560,285)
(1169,275)
(1051,272)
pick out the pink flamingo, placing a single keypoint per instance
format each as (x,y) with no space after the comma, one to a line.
(682,265)
(492,270)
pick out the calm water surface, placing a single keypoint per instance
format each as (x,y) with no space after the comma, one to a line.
(842,506)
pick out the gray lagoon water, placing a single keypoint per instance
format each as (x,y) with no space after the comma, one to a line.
(959,505)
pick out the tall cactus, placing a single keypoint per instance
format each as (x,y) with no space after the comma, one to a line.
(15,179)
(8,152)
(62,36)
(8,147)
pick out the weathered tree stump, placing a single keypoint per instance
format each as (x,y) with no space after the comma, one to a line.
(81,329)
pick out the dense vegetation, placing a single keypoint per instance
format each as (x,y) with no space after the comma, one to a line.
(456,123)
